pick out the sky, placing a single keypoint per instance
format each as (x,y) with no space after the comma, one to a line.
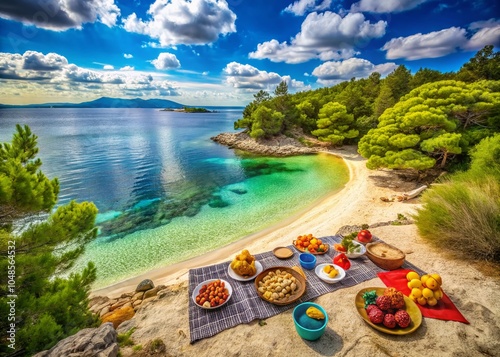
(222,52)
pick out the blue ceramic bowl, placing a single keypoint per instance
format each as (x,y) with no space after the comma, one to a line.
(307,327)
(307,260)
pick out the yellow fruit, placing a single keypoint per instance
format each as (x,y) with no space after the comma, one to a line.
(438,294)
(416,292)
(431,301)
(422,301)
(431,283)
(333,273)
(438,279)
(424,278)
(427,293)
(315,313)
(327,269)
(414,283)
(412,275)
(412,298)
(313,241)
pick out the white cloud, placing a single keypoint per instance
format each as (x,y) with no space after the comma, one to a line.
(330,73)
(127,68)
(60,15)
(52,72)
(194,22)
(108,67)
(245,76)
(486,33)
(386,6)
(300,7)
(166,60)
(430,45)
(325,36)
(127,55)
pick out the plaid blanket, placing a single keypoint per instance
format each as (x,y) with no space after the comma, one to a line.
(245,305)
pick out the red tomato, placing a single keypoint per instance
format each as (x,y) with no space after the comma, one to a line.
(342,261)
(364,236)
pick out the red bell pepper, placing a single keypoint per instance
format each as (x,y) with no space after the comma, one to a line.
(342,261)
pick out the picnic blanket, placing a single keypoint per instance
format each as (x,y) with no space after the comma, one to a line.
(245,305)
(444,310)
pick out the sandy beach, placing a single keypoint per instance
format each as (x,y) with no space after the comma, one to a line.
(472,291)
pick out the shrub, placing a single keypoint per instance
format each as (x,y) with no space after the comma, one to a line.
(463,216)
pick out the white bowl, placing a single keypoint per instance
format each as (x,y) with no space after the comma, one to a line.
(235,276)
(197,289)
(324,276)
(362,250)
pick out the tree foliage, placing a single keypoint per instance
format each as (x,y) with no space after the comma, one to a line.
(48,306)
(335,125)
(431,123)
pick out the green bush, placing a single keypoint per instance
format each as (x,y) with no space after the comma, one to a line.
(463,216)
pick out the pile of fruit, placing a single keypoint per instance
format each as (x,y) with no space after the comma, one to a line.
(387,309)
(310,243)
(425,289)
(212,294)
(330,271)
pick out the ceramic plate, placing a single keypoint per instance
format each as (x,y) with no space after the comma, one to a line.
(324,276)
(196,291)
(283,252)
(235,276)
(306,251)
(411,308)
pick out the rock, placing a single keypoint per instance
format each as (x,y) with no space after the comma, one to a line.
(127,295)
(98,307)
(138,296)
(151,293)
(145,285)
(119,315)
(136,304)
(104,311)
(97,303)
(99,342)
(119,303)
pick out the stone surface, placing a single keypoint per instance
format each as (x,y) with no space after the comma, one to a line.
(145,285)
(104,311)
(99,342)
(138,296)
(151,293)
(119,315)
(97,303)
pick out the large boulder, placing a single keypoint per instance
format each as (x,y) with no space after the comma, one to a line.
(89,342)
(145,285)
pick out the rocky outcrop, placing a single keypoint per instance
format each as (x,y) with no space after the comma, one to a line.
(277,146)
(116,317)
(89,342)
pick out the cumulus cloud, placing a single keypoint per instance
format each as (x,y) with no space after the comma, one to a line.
(325,36)
(127,68)
(54,72)
(245,76)
(386,6)
(108,67)
(330,73)
(127,55)
(441,43)
(60,15)
(485,33)
(300,7)
(166,61)
(193,22)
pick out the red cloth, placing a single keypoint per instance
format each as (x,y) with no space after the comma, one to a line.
(444,310)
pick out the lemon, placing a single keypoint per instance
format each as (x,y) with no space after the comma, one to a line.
(412,275)
(431,301)
(416,292)
(427,293)
(414,283)
(431,283)
(438,279)
(424,278)
(438,294)
(422,301)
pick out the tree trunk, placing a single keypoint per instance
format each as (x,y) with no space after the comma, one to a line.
(445,156)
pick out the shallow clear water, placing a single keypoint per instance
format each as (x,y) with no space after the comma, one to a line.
(164,190)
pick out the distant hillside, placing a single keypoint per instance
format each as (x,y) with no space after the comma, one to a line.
(106,102)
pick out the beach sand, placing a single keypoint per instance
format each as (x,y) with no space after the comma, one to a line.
(474,293)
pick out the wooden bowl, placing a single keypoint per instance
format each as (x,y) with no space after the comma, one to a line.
(385,256)
(299,279)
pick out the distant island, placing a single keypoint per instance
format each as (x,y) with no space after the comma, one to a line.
(188,110)
(106,102)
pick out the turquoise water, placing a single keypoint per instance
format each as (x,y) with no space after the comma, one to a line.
(164,190)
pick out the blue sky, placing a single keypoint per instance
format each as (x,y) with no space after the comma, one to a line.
(218,52)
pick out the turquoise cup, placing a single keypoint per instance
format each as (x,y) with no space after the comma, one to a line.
(307,327)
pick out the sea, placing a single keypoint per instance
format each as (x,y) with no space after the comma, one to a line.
(165,191)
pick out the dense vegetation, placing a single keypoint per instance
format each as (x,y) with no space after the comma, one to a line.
(46,307)
(403,121)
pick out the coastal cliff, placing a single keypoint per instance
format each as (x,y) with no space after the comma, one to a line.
(280,145)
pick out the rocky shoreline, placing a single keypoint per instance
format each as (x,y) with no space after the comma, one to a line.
(277,146)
